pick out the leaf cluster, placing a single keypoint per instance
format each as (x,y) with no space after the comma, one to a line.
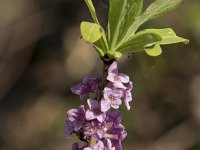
(124,19)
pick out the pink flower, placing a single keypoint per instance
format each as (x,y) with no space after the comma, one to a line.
(89,85)
(76,118)
(111,98)
(94,111)
(115,77)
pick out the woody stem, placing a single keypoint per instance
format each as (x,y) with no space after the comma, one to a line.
(104,81)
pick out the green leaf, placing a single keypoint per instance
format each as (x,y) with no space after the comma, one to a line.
(114,54)
(154,10)
(154,50)
(91,32)
(168,36)
(150,41)
(92,10)
(100,44)
(122,14)
(139,41)
(99,51)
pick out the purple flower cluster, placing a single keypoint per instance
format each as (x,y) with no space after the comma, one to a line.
(88,86)
(98,122)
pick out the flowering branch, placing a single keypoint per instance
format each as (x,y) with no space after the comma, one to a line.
(99,126)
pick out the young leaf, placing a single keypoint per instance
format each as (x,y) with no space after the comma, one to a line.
(122,14)
(139,41)
(168,36)
(92,10)
(91,32)
(101,45)
(99,51)
(150,41)
(154,10)
(155,50)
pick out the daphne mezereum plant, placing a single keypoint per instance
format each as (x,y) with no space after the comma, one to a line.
(99,126)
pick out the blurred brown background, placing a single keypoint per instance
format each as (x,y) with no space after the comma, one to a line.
(42,56)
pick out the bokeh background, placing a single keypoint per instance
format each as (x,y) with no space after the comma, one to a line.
(42,56)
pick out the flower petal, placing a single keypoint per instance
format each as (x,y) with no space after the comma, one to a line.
(124,78)
(93,104)
(119,84)
(113,67)
(101,118)
(68,129)
(127,99)
(89,115)
(111,77)
(105,105)
(99,146)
